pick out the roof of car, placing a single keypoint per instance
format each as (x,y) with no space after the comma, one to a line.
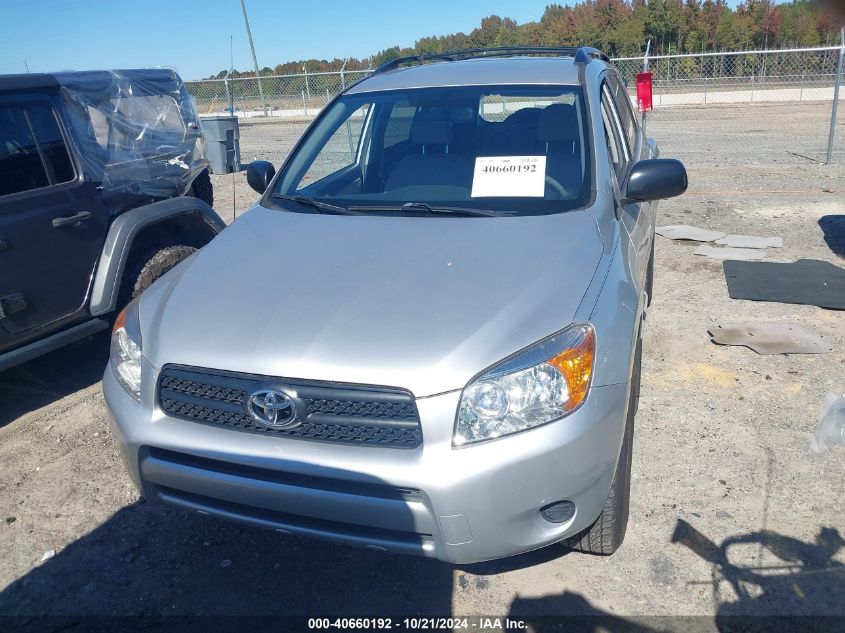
(46,81)
(494,71)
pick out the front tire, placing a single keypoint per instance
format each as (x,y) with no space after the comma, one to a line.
(605,536)
(145,267)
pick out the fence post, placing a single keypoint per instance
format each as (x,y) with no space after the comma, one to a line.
(643,120)
(832,136)
(230,99)
(304,106)
(307,87)
(801,93)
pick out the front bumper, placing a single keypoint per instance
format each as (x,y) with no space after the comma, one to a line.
(460,505)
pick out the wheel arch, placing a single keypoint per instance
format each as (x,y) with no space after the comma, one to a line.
(187,219)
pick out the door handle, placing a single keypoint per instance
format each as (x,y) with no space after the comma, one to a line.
(12,303)
(71,220)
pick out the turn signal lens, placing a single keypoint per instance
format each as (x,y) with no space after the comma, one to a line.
(120,321)
(576,365)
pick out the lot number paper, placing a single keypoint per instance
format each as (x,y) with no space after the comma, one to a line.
(509,176)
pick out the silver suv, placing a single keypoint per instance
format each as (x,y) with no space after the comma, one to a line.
(425,336)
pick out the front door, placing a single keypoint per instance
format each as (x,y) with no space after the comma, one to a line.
(52,222)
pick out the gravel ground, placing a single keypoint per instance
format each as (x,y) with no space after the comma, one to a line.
(730,512)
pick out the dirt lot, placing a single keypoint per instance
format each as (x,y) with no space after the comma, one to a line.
(721,457)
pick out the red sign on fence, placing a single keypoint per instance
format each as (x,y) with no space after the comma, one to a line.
(644,91)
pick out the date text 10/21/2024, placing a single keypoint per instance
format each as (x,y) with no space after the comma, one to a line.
(418,623)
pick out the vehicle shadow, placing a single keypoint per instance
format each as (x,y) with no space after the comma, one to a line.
(51,377)
(556,551)
(573,613)
(806,580)
(803,593)
(150,560)
(833,227)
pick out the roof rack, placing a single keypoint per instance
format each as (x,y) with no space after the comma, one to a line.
(583,55)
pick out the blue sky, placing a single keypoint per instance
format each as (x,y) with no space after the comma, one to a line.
(193,36)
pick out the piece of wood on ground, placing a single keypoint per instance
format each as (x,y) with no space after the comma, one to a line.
(726,252)
(769,338)
(750,241)
(691,233)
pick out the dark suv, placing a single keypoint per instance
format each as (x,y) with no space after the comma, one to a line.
(104,187)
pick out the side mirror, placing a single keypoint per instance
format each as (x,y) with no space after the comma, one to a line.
(259,173)
(656,179)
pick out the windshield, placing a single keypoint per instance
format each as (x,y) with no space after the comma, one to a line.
(519,150)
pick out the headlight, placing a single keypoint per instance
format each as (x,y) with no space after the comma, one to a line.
(125,357)
(542,384)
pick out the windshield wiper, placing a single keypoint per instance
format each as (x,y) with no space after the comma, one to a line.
(314,204)
(422,207)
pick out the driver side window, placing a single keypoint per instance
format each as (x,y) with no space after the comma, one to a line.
(340,150)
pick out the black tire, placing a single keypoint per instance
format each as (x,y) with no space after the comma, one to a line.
(201,188)
(605,536)
(649,276)
(145,267)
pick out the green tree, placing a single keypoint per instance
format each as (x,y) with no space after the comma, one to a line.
(622,27)
(799,26)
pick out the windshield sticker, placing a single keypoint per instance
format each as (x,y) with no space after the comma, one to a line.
(509,177)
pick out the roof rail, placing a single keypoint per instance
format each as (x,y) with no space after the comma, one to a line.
(582,54)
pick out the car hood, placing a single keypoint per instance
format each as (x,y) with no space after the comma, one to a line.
(422,303)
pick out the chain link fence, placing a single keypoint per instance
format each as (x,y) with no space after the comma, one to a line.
(735,107)
(754,107)
(272,111)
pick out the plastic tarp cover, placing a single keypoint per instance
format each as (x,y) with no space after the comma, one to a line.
(139,130)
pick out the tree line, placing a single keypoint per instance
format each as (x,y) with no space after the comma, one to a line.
(620,28)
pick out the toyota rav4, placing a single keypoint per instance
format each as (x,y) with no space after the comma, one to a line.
(425,337)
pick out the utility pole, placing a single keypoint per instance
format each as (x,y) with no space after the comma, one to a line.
(254,59)
(25,63)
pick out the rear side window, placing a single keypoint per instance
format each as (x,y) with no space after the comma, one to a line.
(32,150)
(399,125)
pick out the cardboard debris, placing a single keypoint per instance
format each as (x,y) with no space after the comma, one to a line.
(750,241)
(691,233)
(726,252)
(769,338)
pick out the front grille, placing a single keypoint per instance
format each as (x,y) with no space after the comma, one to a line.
(327,412)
